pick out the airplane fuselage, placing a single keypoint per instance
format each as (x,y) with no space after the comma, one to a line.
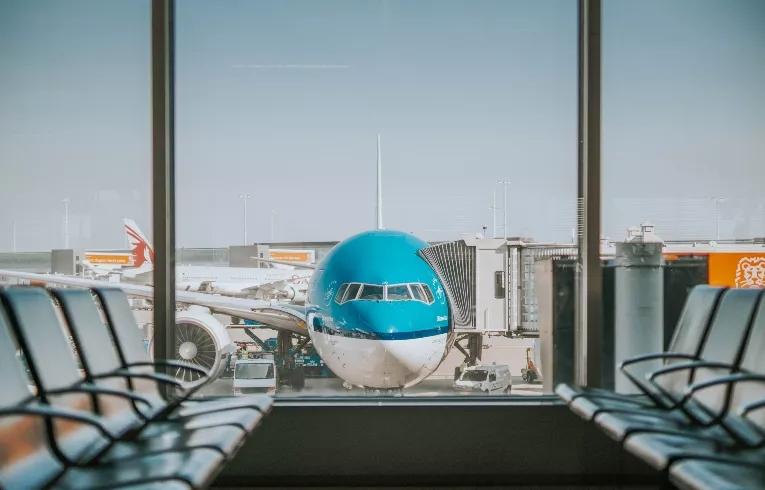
(377,312)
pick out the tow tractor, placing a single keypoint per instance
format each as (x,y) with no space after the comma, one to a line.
(530,373)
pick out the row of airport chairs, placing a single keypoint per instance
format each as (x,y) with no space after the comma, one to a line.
(81,403)
(700,418)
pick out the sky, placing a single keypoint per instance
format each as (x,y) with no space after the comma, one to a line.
(283,100)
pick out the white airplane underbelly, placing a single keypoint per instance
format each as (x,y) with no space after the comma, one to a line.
(380,363)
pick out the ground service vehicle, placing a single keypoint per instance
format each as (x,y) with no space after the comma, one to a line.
(491,378)
(255,376)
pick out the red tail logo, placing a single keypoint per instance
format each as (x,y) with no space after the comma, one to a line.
(142,251)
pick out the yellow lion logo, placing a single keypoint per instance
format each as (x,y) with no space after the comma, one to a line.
(750,272)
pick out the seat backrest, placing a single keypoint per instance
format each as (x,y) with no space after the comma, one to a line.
(25,459)
(41,337)
(129,341)
(91,335)
(53,366)
(694,321)
(726,341)
(729,330)
(690,334)
(98,355)
(753,361)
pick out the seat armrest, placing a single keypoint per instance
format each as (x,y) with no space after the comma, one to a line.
(655,356)
(689,365)
(169,363)
(661,398)
(727,380)
(158,377)
(50,412)
(754,406)
(100,390)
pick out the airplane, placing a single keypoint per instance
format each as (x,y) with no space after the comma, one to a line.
(376,311)
(245,282)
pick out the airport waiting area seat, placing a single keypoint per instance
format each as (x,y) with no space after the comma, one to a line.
(700,418)
(73,414)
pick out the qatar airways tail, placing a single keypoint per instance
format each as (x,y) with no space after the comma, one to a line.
(248,282)
(143,252)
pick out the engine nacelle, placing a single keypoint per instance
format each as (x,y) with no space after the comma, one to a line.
(295,294)
(202,340)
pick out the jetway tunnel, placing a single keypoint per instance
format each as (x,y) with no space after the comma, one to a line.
(492,291)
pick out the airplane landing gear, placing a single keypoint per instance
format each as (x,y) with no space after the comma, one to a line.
(289,373)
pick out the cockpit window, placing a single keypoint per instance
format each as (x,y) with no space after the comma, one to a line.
(353,290)
(377,292)
(417,293)
(428,294)
(340,293)
(371,291)
(398,292)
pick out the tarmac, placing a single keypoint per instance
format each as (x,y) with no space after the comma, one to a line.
(333,387)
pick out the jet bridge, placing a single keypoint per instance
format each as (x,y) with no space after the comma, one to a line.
(474,274)
(491,283)
(492,289)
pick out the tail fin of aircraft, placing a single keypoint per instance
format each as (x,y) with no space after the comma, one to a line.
(143,253)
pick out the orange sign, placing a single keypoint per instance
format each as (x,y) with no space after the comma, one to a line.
(109,258)
(737,270)
(299,256)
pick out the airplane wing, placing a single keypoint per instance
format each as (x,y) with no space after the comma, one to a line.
(273,314)
(296,265)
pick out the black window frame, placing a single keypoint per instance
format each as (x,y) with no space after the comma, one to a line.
(589,331)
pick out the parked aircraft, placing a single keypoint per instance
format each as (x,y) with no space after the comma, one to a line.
(376,312)
(245,282)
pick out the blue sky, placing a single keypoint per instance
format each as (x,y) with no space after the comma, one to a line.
(283,100)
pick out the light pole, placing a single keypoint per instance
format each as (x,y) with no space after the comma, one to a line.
(66,222)
(505,183)
(244,197)
(494,214)
(717,201)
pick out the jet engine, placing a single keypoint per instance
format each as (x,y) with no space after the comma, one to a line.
(202,340)
(295,293)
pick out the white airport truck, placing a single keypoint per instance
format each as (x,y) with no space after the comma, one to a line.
(256,375)
(488,378)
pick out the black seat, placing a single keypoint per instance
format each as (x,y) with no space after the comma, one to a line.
(38,440)
(102,364)
(721,353)
(701,474)
(134,359)
(55,372)
(687,342)
(740,434)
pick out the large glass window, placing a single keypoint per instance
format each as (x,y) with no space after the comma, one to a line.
(307,132)
(683,104)
(75,143)
(288,112)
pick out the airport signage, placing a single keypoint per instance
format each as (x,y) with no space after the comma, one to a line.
(109,258)
(739,270)
(734,269)
(297,256)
